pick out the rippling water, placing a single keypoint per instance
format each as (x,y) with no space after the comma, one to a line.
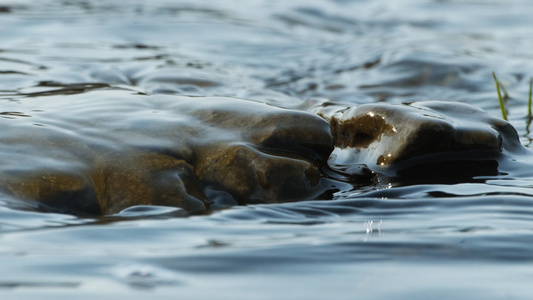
(461,240)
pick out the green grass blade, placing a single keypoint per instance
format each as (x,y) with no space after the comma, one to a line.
(502,103)
(529,100)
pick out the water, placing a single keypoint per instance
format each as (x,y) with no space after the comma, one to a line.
(463,239)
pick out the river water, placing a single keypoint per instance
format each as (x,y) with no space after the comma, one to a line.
(468,239)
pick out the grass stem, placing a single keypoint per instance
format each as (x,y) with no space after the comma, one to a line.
(502,103)
(529,100)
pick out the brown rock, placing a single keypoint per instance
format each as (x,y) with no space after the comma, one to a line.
(99,155)
(384,134)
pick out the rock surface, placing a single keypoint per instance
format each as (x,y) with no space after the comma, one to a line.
(101,155)
(95,155)
(385,134)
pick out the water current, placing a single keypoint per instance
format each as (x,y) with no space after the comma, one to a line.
(465,239)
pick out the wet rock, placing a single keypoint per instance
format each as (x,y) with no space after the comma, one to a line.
(100,155)
(393,135)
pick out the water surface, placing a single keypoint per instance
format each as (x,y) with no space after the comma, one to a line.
(465,239)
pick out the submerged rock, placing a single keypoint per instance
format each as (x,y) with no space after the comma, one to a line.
(99,155)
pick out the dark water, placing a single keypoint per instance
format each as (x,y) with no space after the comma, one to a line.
(469,239)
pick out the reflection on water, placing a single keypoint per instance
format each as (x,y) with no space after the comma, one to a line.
(461,237)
